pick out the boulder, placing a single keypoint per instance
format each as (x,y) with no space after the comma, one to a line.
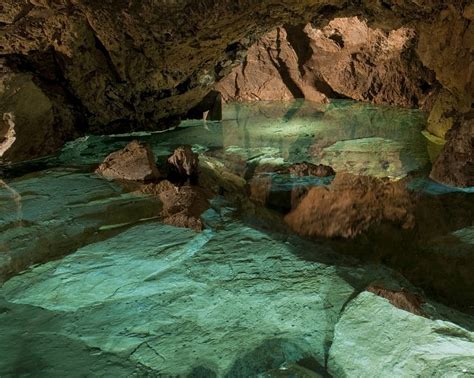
(183,163)
(183,206)
(455,164)
(135,162)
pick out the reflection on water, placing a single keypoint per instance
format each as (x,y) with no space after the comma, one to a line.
(120,294)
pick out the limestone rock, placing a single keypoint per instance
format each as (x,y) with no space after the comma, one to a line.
(184,163)
(135,162)
(455,164)
(209,109)
(270,72)
(350,206)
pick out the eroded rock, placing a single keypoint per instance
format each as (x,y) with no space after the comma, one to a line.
(183,206)
(135,162)
(308,169)
(28,120)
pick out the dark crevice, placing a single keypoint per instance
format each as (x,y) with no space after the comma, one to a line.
(301,44)
(284,71)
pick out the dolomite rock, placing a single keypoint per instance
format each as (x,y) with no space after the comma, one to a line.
(135,162)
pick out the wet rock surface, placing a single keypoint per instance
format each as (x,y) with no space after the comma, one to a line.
(455,165)
(135,162)
(288,307)
(245,296)
(350,206)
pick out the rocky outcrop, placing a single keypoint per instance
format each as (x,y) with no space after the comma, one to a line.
(271,71)
(135,162)
(455,165)
(350,206)
(347,58)
(308,169)
(183,206)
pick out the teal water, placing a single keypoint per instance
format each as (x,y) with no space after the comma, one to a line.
(95,285)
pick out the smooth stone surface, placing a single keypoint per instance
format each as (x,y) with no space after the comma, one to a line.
(179,300)
(372,338)
(51,213)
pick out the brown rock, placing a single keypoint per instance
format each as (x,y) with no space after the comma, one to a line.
(401,299)
(270,72)
(135,162)
(350,206)
(184,163)
(308,169)
(183,206)
(455,164)
(346,58)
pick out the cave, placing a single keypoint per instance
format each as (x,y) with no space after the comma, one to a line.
(236,188)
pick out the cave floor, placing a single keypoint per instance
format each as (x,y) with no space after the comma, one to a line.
(95,285)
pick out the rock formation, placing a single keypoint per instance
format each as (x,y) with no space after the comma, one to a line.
(141,65)
(135,162)
(345,59)
(183,163)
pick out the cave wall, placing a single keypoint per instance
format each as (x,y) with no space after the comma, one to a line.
(125,65)
(345,59)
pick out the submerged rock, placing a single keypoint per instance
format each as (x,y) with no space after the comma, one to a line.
(183,163)
(373,338)
(350,206)
(455,164)
(308,169)
(183,206)
(135,162)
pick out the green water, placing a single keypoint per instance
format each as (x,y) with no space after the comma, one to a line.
(95,285)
